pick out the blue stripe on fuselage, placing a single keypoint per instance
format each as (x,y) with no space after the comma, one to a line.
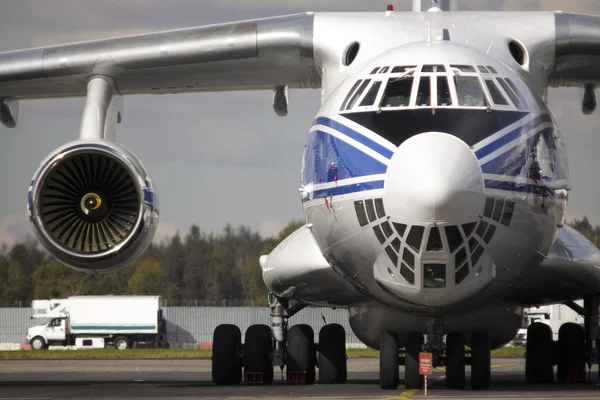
(518,187)
(351,133)
(326,156)
(340,190)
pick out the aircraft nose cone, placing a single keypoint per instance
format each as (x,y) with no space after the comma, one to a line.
(434,176)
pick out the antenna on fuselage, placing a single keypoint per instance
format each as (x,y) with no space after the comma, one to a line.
(435,5)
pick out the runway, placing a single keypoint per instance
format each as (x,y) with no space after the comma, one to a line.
(190,379)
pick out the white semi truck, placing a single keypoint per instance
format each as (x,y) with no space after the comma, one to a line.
(97,321)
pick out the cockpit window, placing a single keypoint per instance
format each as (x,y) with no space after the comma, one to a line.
(433,68)
(464,68)
(470,93)
(424,92)
(358,82)
(384,70)
(497,96)
(356,95)
(517,91)
(397,92)
(402,68)
(374,70)
(444,98)
(483,69)
(492,70)
(371,95)
(510,93)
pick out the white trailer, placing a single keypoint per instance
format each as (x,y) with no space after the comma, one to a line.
(552,315)
(97,321)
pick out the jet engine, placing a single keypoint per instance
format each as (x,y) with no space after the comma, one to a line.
(92,205)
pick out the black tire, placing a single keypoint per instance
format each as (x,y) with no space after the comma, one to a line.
(389,354)
(481,354)
(38,343)
(414,344)
(122,343)
(301,353)
(226,363)
(572,351)
(257,349)
(539,353)
(332,354)
(455,361)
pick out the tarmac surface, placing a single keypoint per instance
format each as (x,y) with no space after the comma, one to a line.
(191,379)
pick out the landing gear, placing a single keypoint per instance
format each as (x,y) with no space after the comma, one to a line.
(539,351)
(455,361)
(301,354)
(257,348)
(571,353)
(480,361)
(388,361)
(226,360)
(332,354)
(414,345)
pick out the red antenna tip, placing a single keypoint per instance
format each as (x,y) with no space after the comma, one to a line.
(390,7)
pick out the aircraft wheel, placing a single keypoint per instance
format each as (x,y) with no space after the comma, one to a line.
(332,354)
(571,353)
(455,361)
(300,352)
(539,354)
(480,361)
(414,344)
(389,353)
(226,362)
(257,348)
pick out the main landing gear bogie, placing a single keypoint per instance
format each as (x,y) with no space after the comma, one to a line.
(258,355)
(452,355)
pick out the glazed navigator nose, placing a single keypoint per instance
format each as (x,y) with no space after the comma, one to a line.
(434,177)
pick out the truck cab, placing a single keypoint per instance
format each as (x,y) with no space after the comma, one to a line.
(53,332)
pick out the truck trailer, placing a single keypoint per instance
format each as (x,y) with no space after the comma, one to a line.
(97,321)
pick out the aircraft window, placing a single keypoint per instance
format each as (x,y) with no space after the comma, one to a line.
(508,212)
(476,255)
(433,68)
(473,243)
(434,276)
(392,255)
(435,240)
(379,208)
(483,69)
(489,234)
(517,91)
(470,93)
(510,93)
(387,229)
(489,207)
(356,95)
(370,210)
(396,244)
(454,237)
(414,237)
(400,228)
(371,95)
(498,210)
(350,94)
(492,70)
(481,228)
(384,70)
(360,213)
(468,228)
(424,92)
(497,96)
(460,258)
(461,274)
(407,274)
(408,258)
(464,68)
(379,234)
(443,92)
(375,70)
(397,93)
(402,68)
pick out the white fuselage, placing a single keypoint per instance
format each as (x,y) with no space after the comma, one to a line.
(428,188)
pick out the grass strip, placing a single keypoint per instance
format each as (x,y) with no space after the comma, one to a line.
(182,353)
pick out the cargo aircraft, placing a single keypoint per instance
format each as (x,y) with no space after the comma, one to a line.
(434,181)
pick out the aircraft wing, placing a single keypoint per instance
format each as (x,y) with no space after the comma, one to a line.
(577,57)
(246,55)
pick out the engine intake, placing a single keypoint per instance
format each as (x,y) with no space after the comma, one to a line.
(92,205)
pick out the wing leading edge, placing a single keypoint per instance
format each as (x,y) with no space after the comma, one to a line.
(246,55)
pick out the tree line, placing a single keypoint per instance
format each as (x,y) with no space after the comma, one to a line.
(192,269)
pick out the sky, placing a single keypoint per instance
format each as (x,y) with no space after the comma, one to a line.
(219,158)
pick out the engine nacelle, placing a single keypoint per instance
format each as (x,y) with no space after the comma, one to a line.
(92,206)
